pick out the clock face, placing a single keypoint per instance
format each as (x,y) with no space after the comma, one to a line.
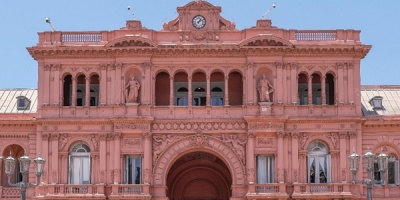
(199,21)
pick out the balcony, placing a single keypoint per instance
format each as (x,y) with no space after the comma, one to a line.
(333,190)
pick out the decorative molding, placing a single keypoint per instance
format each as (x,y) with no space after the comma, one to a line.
(199,126)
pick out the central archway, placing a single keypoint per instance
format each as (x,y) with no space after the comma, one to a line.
(199,175)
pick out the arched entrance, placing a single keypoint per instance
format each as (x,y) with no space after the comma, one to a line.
(199,176)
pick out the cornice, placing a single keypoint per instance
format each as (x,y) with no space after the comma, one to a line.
(198,50)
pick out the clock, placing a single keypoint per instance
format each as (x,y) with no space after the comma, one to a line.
(199,21)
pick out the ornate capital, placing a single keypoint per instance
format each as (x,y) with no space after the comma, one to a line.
(45,136)
(117,136)
(147,135)
(54,136)
(251,134)
(280,134)
(295,135)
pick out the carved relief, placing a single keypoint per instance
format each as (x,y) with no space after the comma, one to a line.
(251,175)
(265,126)
(199,140)
(334,139)
(131,126)
(160,142)
(238,144)
(303,137)
(265,142)
(95,141)
(64,138)
(132,142)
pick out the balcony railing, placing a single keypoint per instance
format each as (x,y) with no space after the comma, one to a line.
(316,35)
(130,189)
(81,37)
(322,188)
(10,192)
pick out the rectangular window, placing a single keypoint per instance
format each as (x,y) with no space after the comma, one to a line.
(265,169)
(132,169)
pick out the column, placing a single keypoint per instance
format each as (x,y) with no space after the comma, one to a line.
(340,88)
(250,162)
(117,158)
(103,84)
(295,156)
(280,154)
(61,91)
(294,80)
(87,91)
(342,154)
(45,155)
(190,91)
(74,85)
(280,83)
(310,95)
(171,91)
(208,93)
(323,89)
(226,103)
(351,82)
(54,158)
(55,79)
(47,85)
(102,156)
(147,162)
(118,83)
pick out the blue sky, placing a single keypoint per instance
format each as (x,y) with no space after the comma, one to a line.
(20,21)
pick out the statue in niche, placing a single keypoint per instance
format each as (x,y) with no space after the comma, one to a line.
(264,89)
(131,90)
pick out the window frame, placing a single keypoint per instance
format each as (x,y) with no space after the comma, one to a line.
(269,163)
(128,170)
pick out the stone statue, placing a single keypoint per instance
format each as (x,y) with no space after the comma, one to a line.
(131,90)
(264,89)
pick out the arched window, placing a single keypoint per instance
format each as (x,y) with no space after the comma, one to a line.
(330,89)
(67,90)
(316,89)
(162,89)
(199,88)
(181,89)
(302,87)
(319,163)
(94,90)
(79,164)
(217,88)
(235,89)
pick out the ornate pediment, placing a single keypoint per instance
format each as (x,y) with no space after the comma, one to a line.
(199,16)
(132,41)
(265,40)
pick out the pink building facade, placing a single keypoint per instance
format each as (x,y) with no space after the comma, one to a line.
(200,110)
